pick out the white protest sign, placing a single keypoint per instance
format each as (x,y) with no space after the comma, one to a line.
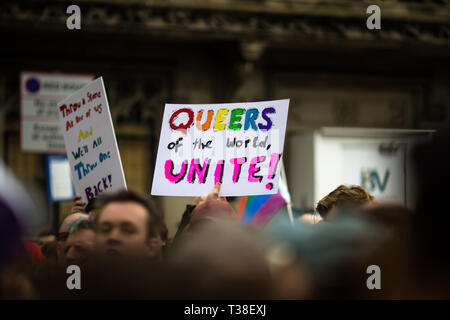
(90,142)
(237,144)
(40,130)
(59,178)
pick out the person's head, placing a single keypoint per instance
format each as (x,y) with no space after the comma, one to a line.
(343,196)
(63,231)
(80,243)
(45,237)
(127,224)
(222,261)
(15,259)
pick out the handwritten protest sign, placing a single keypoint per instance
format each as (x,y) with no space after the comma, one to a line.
(40,131)
(90,141)
(237,144)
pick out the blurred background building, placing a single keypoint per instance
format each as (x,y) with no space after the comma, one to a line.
(318,53)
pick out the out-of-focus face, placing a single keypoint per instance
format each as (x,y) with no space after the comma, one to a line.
(122,230)
(79,246)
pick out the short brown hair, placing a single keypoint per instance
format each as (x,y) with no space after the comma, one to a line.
(343,196)
(155,225)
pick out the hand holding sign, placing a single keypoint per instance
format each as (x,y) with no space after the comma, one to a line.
(78,205)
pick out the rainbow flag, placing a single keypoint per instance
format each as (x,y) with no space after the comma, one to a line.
(259,210)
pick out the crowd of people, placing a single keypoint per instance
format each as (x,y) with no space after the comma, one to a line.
(121,245)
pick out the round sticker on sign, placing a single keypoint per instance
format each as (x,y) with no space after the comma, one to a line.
(33,85)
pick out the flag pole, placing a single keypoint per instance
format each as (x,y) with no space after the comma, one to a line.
(288,204)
